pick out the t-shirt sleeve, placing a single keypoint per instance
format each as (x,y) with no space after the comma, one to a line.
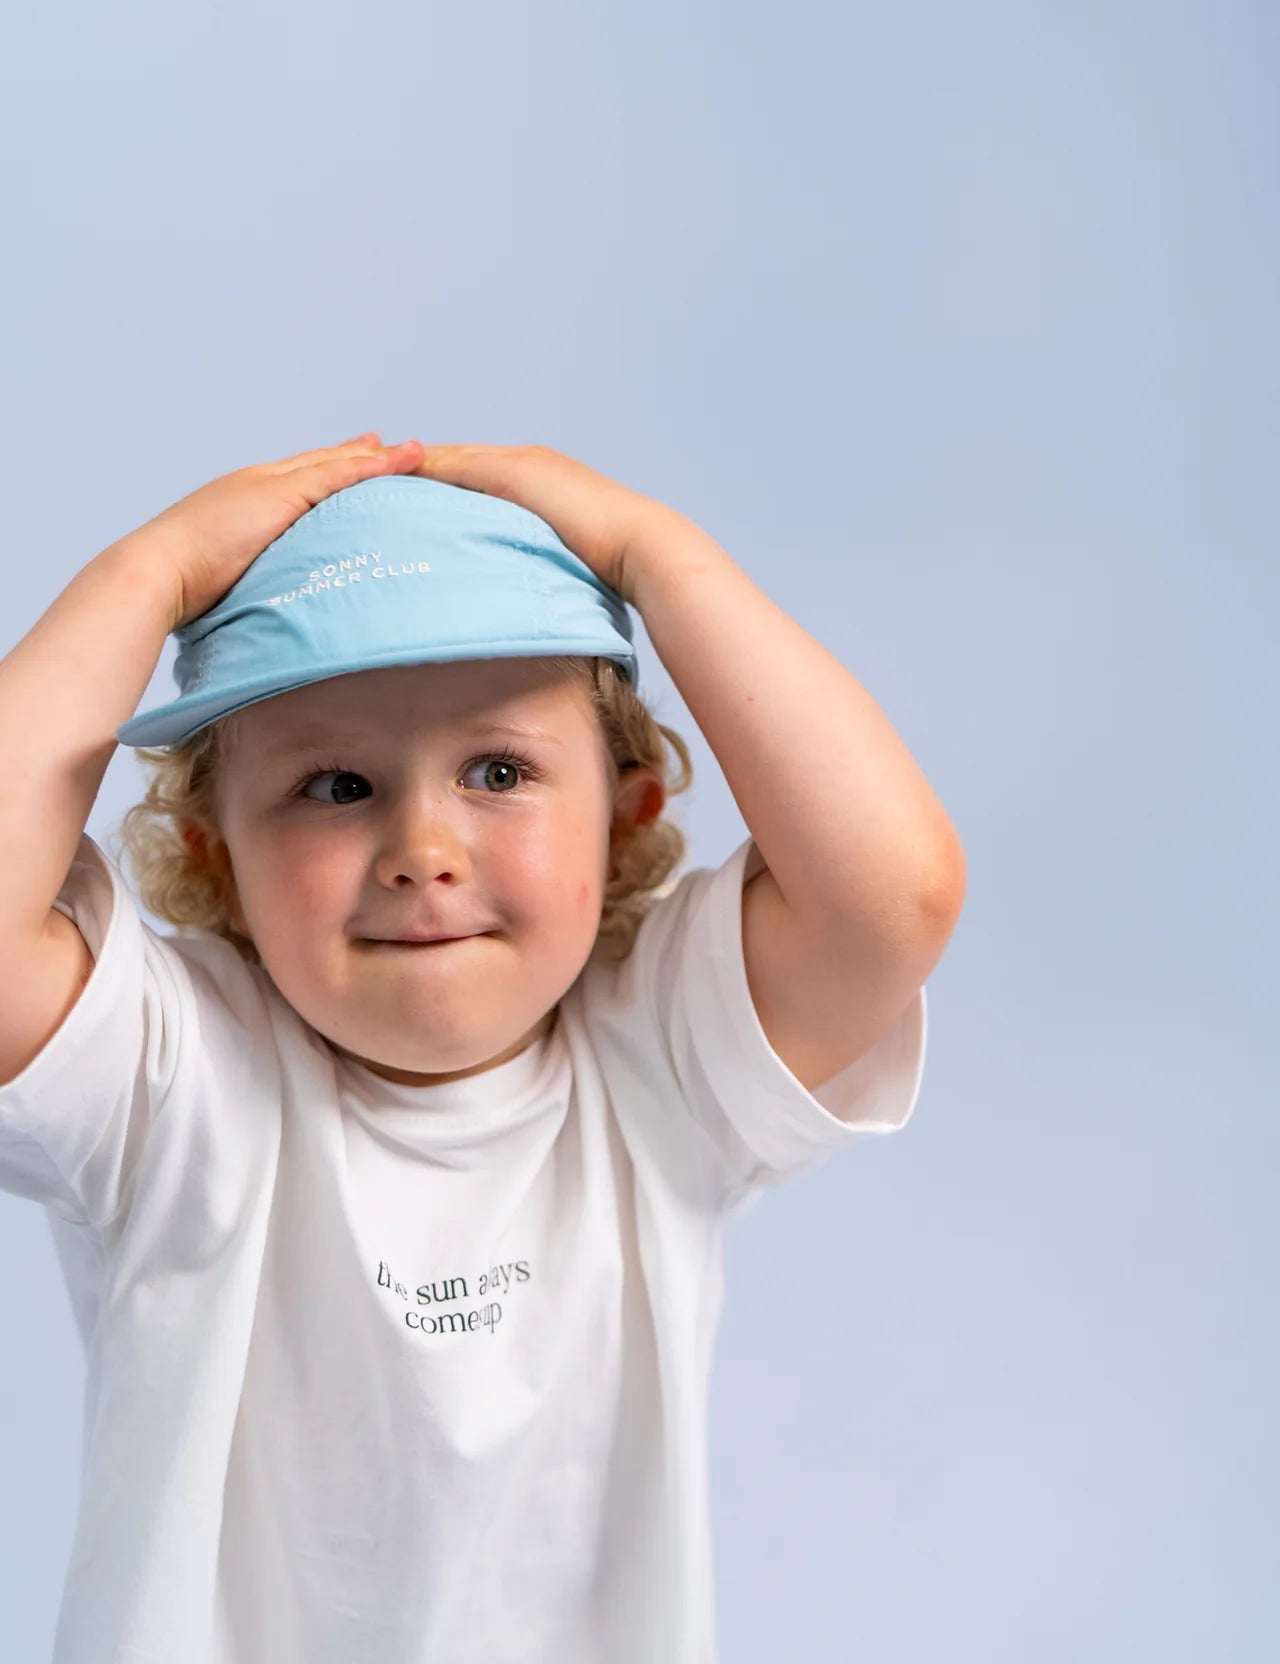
(73,1123)
(755,1122)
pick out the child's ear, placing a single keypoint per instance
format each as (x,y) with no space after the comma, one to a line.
(211,852)
(639,799)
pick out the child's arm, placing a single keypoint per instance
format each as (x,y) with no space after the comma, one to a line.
(64,689)
(79,673)
(865,874)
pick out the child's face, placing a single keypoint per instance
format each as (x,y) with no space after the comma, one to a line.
(423,829)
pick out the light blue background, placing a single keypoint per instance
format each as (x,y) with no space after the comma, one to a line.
(955,326)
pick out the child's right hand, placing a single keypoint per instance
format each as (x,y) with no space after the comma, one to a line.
(213,536)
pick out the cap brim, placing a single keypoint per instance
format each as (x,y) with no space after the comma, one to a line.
(180,719)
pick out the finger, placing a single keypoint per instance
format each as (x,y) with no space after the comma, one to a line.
(330,473)
(455,458)
(364,441)
(477,467)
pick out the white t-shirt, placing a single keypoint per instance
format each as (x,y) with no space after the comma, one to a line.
(384,1374)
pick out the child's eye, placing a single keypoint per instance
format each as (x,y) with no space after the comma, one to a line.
(510,764)
(506,764)
(302,788)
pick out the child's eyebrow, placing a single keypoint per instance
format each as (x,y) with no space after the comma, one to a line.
(306,739)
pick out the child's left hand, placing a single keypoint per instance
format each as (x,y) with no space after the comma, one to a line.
(593,516)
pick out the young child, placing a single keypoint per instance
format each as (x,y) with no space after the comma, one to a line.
(390,1189)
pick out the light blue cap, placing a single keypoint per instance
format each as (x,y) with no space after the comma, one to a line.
(395,570)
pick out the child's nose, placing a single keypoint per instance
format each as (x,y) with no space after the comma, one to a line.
(422,845)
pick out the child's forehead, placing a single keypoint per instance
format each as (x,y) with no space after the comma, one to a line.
(463,698)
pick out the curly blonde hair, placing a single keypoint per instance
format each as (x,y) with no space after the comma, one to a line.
(164,836)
